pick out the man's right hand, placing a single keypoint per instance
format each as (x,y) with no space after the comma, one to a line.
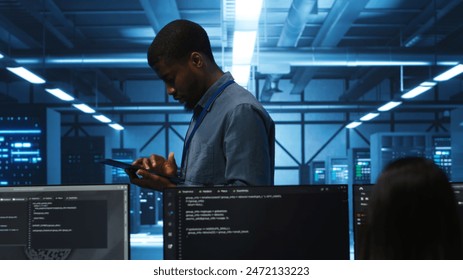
(145,179)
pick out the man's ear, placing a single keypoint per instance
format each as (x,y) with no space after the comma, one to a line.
(196,59)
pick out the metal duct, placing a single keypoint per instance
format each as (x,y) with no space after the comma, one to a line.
(298,15)
(312,107)
(315,57)
(270,87)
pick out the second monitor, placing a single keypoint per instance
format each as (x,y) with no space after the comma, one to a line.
(292,222)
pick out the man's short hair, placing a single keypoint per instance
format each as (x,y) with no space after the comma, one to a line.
(177,40)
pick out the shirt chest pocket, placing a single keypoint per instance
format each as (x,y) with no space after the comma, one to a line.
(200,163)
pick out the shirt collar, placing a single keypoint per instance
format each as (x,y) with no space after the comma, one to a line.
(222,80)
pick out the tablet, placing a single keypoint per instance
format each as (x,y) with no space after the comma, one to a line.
(120,164)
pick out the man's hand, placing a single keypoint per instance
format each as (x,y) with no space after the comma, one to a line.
(143,178)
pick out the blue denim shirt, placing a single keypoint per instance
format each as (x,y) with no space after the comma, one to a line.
(235,142)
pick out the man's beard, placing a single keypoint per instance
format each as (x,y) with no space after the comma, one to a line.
(188,108)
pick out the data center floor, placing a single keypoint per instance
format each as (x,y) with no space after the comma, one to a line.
(147,244)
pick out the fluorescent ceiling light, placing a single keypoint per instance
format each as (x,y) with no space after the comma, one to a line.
(243,46)
(26,75)
(417,90)
(60,94)
(84,108)
(452,72)
(116,126)
(247,14)
(148,108)
(247,11)
(373,63)
(428,84)
(390,105)
(21,131)
(102,118)
(369,116)
(353,124)
(241,74)
(115,60)
(243,49)
(1,56)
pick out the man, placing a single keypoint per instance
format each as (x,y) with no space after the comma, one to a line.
(230,140)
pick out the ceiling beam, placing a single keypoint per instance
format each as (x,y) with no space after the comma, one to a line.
(160,13)
(108,88)
(368,82)
(92,81)
(44,12)
(5,98)
(338,21)
(304,76)
(14,37)
(426,20)
(299,13)
(37,9)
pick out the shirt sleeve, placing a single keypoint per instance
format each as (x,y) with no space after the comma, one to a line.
(249,147)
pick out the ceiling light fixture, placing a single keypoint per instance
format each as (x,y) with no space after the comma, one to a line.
(369,116)
(241,73)
(423,87)
(243,46)
(389,106)
(353,124)
(102,118)
(84,108)
(449,74)
(116,126)
(26,75)
(60,94)
(247,14)
(243,49)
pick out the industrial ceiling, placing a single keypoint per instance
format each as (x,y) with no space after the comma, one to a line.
(96,46)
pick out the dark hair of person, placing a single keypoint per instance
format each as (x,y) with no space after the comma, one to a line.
(177,40)
(412,214)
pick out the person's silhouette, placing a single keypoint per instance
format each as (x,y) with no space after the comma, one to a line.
(412,214)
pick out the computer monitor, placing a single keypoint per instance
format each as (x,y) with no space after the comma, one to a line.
(338,170)
(360,166)
(318,172)
(29,144)
(361,195)
(458,191)
(281,222)
(77,222)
